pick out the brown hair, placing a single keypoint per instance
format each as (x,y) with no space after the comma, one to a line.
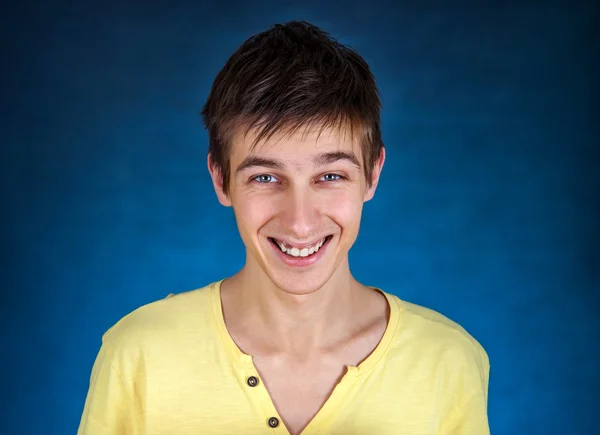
(291,76)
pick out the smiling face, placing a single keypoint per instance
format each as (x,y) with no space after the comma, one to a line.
(298,202)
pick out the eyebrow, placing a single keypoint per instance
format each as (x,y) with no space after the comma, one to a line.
(322,159)
(335,156)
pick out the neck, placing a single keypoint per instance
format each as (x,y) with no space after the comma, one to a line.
(289,323)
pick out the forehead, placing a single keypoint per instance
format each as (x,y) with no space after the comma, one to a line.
(295,145)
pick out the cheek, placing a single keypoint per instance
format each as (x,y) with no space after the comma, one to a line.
(253,212)
(345,209)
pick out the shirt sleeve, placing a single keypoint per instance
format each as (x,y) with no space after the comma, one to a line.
(110,406)
(469,419)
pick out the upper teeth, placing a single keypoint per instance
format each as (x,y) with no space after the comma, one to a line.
(304,252)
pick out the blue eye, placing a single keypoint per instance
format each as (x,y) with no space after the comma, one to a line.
(332,177)
(264,179)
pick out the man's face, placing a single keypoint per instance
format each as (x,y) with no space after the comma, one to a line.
(298,202)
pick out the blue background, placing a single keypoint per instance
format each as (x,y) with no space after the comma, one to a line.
(487,212)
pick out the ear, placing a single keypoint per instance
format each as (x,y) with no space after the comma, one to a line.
(375,174)
(217,179)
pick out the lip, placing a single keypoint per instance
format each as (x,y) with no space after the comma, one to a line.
(301,261)
(299,245)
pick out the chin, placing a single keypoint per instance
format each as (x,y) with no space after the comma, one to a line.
(302,282)
(299,286)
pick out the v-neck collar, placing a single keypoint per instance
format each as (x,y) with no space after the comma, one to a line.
(343,386)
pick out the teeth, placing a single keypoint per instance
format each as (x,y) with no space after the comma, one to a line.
(304,252)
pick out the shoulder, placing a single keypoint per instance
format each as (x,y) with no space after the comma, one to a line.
(438,340)
(437,327)
(168,319)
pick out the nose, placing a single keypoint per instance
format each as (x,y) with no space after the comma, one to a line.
(300,217)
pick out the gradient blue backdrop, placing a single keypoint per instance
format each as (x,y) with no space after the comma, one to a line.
(487,211)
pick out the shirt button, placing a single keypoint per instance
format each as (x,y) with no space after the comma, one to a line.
(273,422)
(252,381)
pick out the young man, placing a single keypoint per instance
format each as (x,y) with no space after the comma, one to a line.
(292,343)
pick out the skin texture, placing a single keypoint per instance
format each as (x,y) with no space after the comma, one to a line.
(302,325)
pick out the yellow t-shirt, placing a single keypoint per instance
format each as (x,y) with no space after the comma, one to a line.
(171,368)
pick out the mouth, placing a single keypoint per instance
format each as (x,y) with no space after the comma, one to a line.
(300,255)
